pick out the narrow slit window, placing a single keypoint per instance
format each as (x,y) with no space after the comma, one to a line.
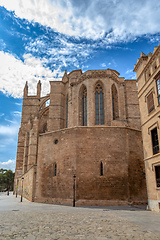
(101,169)
(55,169)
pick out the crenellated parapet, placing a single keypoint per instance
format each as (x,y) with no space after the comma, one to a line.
(147,67)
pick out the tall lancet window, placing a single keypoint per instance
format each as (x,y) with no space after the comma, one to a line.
(67,112)
(99,105)
(85,107)
(115,103)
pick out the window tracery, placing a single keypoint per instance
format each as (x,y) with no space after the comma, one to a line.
(85,107)
(99,105)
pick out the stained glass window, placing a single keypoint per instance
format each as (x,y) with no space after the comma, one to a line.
(85,107)
(99,108)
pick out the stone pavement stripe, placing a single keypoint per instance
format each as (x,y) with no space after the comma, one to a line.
(51,222)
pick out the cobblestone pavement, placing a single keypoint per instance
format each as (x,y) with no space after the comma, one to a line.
(38,221)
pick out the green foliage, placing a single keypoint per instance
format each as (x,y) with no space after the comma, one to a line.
(6,179)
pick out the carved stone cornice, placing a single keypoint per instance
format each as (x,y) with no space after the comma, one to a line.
(97,74)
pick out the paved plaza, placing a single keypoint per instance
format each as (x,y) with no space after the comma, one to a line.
(26,220)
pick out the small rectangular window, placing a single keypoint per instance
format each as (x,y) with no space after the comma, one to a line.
(155,143)
(150,102)
(157,171)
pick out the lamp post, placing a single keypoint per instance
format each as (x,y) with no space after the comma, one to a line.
(74,189)
(22,188)
(16,188)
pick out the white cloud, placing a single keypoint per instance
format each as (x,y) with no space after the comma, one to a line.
(103,65)
(91,19)
(16,113)
(9,165)
(2,44)
(131,74)
(60,50)
(129,71)
(9,131)
(18,104)
(1,114)
(14,73)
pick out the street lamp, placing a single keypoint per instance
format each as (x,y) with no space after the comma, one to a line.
(22,188)
(74,189)
(16,188)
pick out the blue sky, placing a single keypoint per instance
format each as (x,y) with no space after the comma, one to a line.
(39,39)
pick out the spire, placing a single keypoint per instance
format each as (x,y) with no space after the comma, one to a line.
(65,77)
(25,91)
(143,55)
(39,89)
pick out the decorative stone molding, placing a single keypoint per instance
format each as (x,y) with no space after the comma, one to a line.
(95,75)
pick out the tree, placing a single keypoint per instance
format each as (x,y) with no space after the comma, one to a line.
(6,180)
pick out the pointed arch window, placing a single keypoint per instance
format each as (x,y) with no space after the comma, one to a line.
(67,112)
(84,99)
(101,169)
(115,103)
(99,106)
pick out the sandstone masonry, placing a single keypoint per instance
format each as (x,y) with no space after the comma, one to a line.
(88,126)
(148,78)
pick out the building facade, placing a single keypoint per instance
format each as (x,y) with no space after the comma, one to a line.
(148,78)
(88,126)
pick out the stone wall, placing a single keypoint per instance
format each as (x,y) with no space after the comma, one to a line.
(148,72)
(80,151)
(45,141)
(28,184)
